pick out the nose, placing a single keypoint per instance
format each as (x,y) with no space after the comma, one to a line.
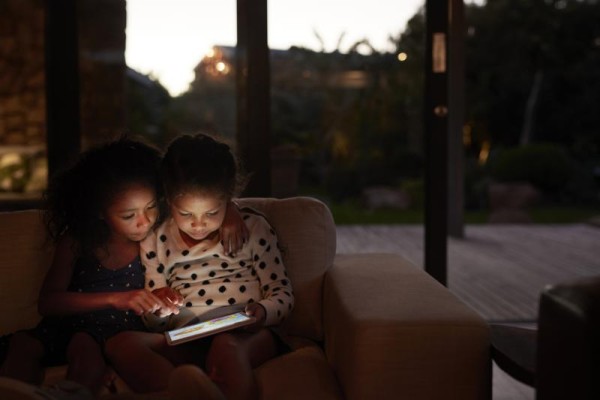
(143,220)
(198,222)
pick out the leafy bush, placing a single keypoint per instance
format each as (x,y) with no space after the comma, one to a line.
(476,185)
(343,183)
(544,165)
(415,188)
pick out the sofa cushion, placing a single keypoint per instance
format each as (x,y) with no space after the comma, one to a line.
(409,330)
(24,259)
(307,238)
(305,230)
(300,374)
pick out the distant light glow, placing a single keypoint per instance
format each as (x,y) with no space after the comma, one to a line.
(168,38)
(467,135)
(222,67)
(402,56)
(484,153)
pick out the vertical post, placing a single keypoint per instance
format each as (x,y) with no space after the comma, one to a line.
(253,95)
(436,138)
(456,101)
(62,83)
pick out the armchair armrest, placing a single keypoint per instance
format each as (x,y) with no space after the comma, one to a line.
(391,330)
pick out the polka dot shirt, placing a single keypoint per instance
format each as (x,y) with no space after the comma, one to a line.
(207,278)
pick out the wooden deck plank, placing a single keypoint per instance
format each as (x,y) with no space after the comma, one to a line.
(499,270)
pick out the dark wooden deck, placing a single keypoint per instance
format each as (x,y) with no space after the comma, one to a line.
(498,270)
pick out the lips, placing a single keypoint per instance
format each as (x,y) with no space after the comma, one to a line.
(197,235)
(136,238)
(139,236)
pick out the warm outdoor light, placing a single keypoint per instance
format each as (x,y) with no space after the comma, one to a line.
(222,67)
(484,152)
(402,56)
(466,137)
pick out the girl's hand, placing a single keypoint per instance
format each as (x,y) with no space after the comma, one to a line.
(171,299)
(257,311)
(234,233)
(139,301)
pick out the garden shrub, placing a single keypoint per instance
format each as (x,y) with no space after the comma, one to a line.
(475,185)
(415,188)
(546,166)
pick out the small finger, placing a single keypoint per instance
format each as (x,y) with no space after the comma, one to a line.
(225,246)
(151,305)
(173,307)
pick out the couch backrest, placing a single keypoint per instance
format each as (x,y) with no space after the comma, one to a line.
(304,227)
(24,260)
(307,238)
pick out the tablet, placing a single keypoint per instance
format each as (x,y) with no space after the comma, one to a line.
(207,328)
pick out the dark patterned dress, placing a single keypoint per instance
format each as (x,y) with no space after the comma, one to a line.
(90,276)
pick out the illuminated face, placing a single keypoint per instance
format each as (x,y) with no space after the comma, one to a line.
(132,213)
(198,215)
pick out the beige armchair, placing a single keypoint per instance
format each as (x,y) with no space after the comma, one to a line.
(368,326)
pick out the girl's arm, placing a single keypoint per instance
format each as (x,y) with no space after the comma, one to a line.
(156,274)
(56,300)
(234,233)
(277,295)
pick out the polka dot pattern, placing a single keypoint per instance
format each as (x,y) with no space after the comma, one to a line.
(207,278)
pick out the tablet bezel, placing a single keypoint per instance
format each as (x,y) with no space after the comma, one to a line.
(232,325)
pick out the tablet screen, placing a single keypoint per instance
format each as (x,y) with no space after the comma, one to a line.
(206,328)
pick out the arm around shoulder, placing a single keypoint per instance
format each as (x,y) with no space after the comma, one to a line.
(278,295)
(154,275)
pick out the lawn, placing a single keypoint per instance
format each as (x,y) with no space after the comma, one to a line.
(353,213)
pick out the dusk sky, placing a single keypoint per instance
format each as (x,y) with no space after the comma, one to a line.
(168,38)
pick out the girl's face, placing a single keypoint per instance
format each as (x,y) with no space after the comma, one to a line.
(132,213)
(198,214)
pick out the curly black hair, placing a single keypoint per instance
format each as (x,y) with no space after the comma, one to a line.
(201,163)
(77,196)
